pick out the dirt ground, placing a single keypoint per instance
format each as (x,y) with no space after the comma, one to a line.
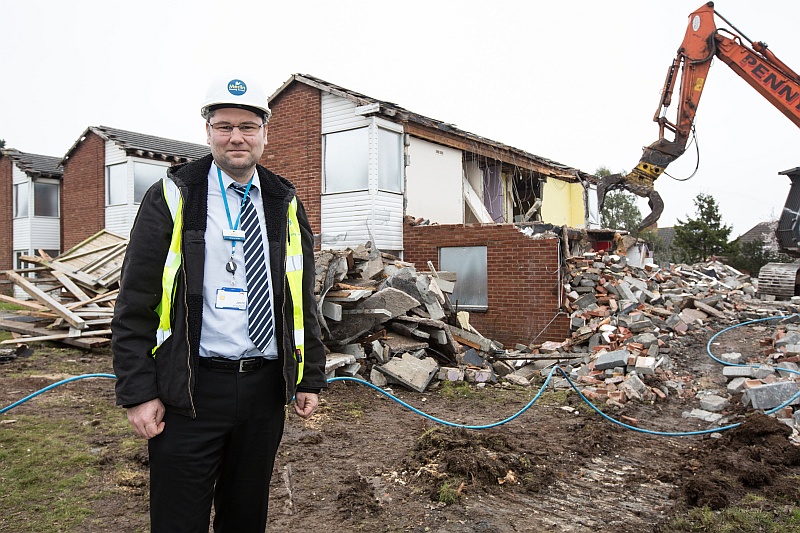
(365,463)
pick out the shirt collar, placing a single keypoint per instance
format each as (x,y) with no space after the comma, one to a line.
(226,180)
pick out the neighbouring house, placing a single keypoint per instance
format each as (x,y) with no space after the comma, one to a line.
(106,173)
(490,212)
(764,232)
(30,219)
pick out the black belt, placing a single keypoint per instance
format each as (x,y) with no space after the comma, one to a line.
(233,365)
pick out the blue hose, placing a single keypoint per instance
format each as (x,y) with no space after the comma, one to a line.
(53,386)
(518,413)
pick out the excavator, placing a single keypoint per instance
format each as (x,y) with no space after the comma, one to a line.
(756,64)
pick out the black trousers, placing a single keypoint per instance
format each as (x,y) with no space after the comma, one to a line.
(225,455)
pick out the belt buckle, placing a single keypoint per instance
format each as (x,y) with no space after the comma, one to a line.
(241,366)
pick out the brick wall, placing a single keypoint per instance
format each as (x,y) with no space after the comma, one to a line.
(294,147)
(522,275)
(83,192)
(6,214)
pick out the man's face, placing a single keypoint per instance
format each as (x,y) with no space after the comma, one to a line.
(233,152)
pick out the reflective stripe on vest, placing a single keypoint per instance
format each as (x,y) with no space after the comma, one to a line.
(174,200)
(294,275)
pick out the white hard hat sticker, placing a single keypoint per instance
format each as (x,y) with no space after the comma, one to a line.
(237,87)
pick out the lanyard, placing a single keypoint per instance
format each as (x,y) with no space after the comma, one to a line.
(231,266)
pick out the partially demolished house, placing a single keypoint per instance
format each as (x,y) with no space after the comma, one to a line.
(490,212)
(106,173)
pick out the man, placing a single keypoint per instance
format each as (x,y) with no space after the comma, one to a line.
(215,327)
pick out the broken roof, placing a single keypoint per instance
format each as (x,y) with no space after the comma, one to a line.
(401,114)
(35,165)
(143,145)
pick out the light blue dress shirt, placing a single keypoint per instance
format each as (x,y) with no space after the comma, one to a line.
(225,331)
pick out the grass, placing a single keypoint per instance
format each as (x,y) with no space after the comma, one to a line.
(41,477)
(457,389)
(754,515)
(448,492)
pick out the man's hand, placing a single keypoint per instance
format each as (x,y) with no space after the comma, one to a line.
(147,418)
(305,403)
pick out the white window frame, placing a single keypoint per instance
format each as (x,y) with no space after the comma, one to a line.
(27,204)
(373,155)
(124,166)
(50,183)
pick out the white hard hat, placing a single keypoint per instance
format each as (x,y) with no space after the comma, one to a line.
(244,93)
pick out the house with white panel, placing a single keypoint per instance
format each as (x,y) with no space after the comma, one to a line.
(366,163)
(31,221)
(106,173)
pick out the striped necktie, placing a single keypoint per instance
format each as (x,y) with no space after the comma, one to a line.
(259,312)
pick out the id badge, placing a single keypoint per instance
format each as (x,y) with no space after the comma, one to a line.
(233,234)
(231,298)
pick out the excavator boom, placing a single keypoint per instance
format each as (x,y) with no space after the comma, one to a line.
(755,64)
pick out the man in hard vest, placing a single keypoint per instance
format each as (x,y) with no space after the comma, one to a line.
(215,327)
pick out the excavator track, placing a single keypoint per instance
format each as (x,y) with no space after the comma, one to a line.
(779,279)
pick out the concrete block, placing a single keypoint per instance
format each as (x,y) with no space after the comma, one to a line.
(479,376)
(706,416)
(527,371)
(633,387)
(585,301)
(617,358)
(337,360)
(410,371)
(356,350)
(736,385)
(645,365)
(517,380)
(792,368)
(645,339)
(734,358)
(763,371)
(502,368)
(771,395)
(714,403)
(689,315)
(380,352)
(447,373)
(349,370)
(377,378)
(738,372)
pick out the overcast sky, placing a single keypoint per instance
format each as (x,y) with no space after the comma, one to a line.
(574,81)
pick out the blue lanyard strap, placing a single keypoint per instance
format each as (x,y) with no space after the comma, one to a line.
(227,209)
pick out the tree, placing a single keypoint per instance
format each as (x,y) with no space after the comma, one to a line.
(619,209)
(662,252)
(699,238)
(753,255)
(2,143)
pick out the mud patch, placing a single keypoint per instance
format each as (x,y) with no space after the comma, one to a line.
(754,457)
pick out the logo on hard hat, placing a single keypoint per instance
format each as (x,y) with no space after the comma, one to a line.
(237,87)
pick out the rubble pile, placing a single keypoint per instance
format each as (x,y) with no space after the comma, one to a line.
(383,319)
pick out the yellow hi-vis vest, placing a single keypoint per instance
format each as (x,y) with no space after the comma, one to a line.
(293,263)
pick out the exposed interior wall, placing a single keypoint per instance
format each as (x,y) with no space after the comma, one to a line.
(434,187)
(83,192)
(562,203)
(294,145)
(522,278)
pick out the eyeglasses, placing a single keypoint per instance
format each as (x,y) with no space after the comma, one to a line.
(223,129)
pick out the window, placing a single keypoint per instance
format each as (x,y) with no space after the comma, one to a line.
(390,161)
(469,264)
(346,160)
(21,200)
(144,175)
(116,184)
(45,199)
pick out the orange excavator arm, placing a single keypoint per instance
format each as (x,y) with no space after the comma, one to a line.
(755,64)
